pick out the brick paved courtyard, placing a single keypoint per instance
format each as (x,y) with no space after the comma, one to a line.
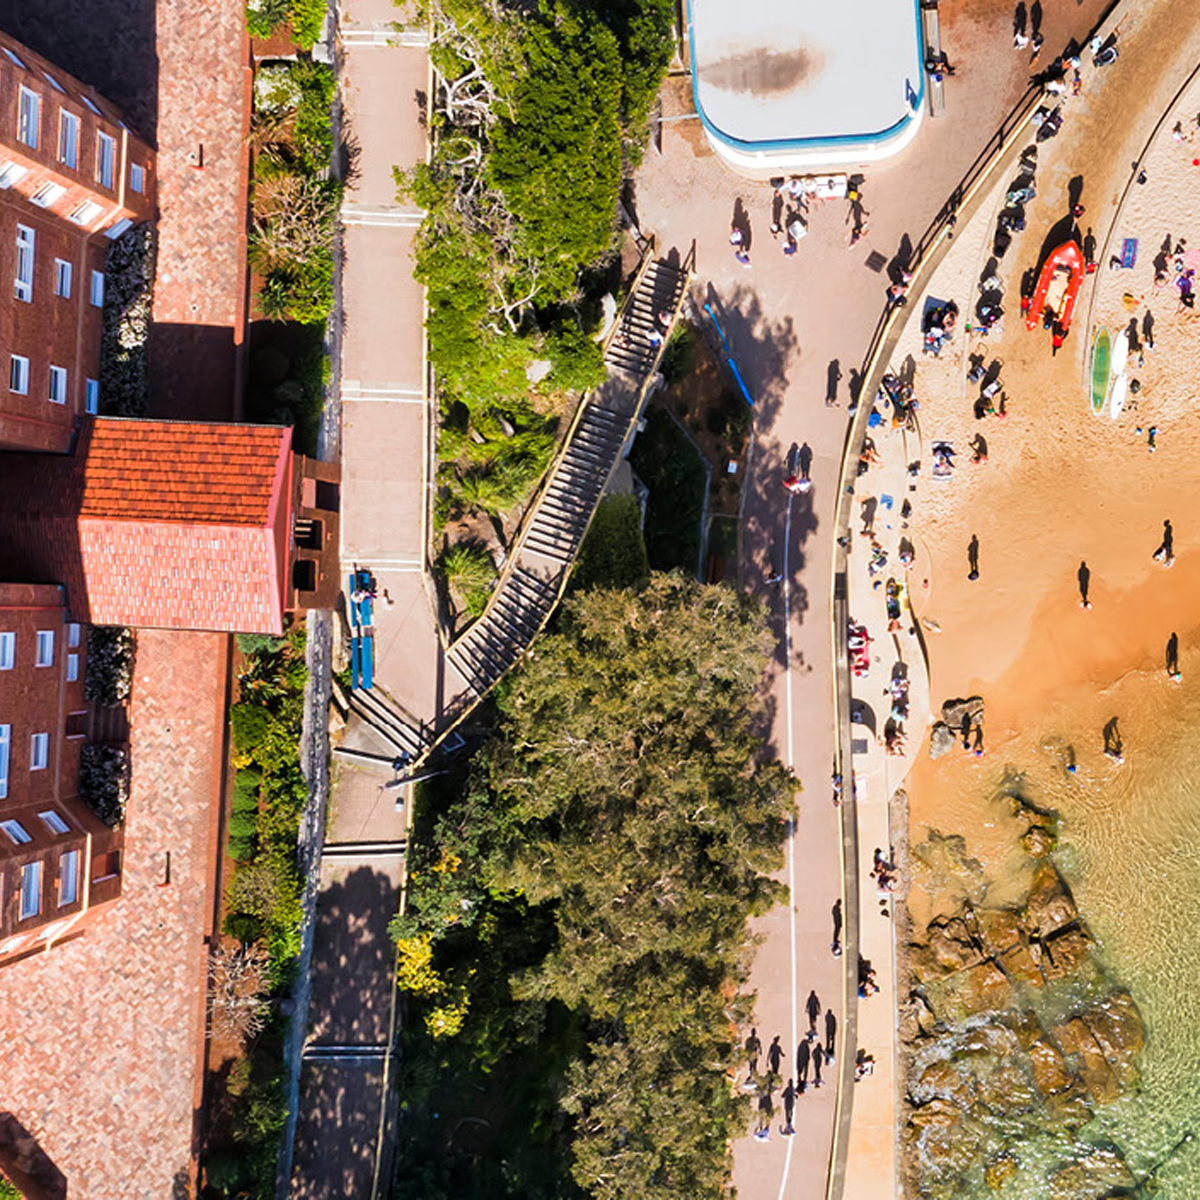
(102,1036)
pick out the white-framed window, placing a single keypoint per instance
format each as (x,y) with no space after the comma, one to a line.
(45,648)
(5,739)
(39,751)
(68,138)
(91,106)
(119,228)
(58,87)
(68,878)
(18,374)
(58,385)
(137,178)
(8,650)
(106,156)
(11,172)
(12,57)
(62,278)
(72,667)
(23,279)
(31,890)
(48,195)
(86,213)
(92,396)
(97,294)
(54,822)
(73,634)
(17,833)
(29,117)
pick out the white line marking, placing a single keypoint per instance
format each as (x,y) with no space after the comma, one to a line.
(791,854)
(398,218)
(382,35)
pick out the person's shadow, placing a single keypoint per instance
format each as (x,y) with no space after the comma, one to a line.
(1173,654)
(1112,737)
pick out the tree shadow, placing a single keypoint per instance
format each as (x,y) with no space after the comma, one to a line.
(26,1164)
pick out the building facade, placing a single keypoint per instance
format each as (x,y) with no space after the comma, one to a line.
(73,176)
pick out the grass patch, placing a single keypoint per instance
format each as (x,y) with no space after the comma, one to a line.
(613,553)
(668,464)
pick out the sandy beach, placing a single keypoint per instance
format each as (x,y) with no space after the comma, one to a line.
(1062,487)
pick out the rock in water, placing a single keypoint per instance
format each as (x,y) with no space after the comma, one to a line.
(1101,1174)
(1000,1171)
(1049,906)
(941,740)
(1038,842)
(953,712)
(1117,1027)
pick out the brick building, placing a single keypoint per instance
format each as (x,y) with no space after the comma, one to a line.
(106,521)
(72,176)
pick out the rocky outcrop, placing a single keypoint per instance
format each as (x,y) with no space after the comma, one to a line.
(942,739)
(991,1048)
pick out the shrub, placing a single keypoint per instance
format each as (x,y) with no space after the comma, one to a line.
(301,293)
(470,573)
(313,132)
(108,677)
(243,826)
(104,781)
(225,1171)
(128,295)
(249,723)
(256,643)
(8,1191)
(577,360)
(240,850)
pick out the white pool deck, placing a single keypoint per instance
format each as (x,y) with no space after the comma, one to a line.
(809,84)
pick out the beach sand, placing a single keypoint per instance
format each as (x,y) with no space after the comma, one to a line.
(1062,486)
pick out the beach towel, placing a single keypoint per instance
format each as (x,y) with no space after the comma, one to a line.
(1129,248)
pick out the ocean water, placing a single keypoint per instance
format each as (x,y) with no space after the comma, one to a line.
(1130,849)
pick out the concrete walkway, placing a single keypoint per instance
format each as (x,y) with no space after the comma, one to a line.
(799,327)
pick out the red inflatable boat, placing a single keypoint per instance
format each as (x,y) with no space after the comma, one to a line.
(1058,287)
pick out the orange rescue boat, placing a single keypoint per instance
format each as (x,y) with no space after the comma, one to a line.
(1058,287)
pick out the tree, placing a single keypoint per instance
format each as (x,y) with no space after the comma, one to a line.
(238,980)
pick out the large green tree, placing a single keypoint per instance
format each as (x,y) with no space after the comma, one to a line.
(627,794)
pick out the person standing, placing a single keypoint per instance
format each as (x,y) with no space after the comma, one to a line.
(836,947)
(830,1034)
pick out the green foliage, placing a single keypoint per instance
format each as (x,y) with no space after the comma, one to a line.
(672,469)
(263,18)
(613,553)
(577,360)
(299,291)
(249,725)
(469,571)
(680,353)
(9,1191)
(254,643)
(242,825)
(241,850)
(624,808)
(312,135)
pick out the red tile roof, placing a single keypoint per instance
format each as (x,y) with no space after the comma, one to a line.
(160,524)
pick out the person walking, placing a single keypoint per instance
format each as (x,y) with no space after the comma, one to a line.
(836,947)
(813,1008)
(803,1052)
(789,1109)
(775,1055)
(1165,553)
(830,1034)
(818,1059)
(753,1048)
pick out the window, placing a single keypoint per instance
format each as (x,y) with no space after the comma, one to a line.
(73,635)
(11,172)
(45,648)
(39,751)
(137,178)
(68,139)
(58,87)
(58,385)
(54,822)
(5,735)
(31,890)
(106,153)
(18,374)
(29,118)
(16,831)
(48,194)
(14,59)
(86,213)
(119,228)
(68,878)
(98,289)
(91,105)
(93,396)
(62,278)
(8,651)
(72,667)
(23,281)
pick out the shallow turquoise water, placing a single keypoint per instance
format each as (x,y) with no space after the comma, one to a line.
(1130,848)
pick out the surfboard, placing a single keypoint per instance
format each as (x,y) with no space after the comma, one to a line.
(1120,390)
(1101,360)
(1120,353)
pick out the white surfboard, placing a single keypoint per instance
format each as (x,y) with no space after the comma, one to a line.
(1120,389)
(1120,353)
